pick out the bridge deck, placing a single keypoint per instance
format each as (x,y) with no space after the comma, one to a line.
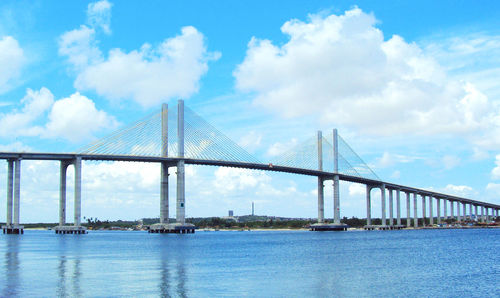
(172,161)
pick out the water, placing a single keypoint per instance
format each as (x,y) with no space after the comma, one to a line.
(439,263)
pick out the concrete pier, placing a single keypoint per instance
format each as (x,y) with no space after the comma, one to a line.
(431,215)
(451,210)
(398,207)
(445,212)
(408,216)
(438,209)
(458,212)
(464,206)
(164,212)
(415,214)
(12,225)
(368,205)
(423,211)
(336,180)
(76,228)
(391,208)
(471,214)
(476,213)
(382,192)
(321,195)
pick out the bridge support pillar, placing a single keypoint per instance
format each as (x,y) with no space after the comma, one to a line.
(458,212)
(78,192)
(423,211)
(321,201)
(438,208)
(471,216)
(391,208)
(398,207)
(382,195)
(368,205)
(445,211)
(482,214)
(464,209)
(164,216)
(13,197)
(452,210)
(408,216)
(336,200)
(415,211)
(431,215)
(476,213)
(62,192)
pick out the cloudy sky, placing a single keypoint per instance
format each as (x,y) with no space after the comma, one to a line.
(412,87)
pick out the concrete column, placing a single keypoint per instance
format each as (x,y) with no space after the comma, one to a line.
(438,206)
(476,213)
(382,191)
(423,211)
(487,214)
(470,211)
(321,199)
(391,208)
(398,207)
(464,206)
(164,193)
(63,167)
(336,200)
(181,211)
(336,183)
(10,189)
(78,191)
(445,212)
(408,223)
(458,212)
(368,205)
(482,214)
(17,190)
(452,210)
(415,214)
(431,215)
(164,167)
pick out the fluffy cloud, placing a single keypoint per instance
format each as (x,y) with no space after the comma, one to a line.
(35,104)
(149,75)
(99,15)
(342,69)
(495,173)
(11,60)
(460,190)
(74,118)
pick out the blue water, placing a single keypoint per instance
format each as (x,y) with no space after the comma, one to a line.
(423,263)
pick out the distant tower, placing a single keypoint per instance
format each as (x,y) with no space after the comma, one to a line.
(230,213)
(253,209)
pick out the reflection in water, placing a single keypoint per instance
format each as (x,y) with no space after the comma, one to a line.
(11,266)
(173,251)
(69,269)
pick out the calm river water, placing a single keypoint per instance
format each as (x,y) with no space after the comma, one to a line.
(423,263)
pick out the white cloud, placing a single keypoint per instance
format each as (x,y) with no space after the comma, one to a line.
(356,189)
(342,69)
(15,147)
(149,75)
(495,173)
(12,60)
(74,118)
(99,15)
(460,190)
(250,141)
(279,148)
(388,159)
(19,123)
(80,47)
(450,161)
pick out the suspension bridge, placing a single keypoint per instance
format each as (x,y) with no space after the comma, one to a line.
(179,136)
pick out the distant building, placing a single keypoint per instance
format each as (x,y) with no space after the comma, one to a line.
(230,213)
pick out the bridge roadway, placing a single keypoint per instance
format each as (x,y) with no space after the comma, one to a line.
(172,161)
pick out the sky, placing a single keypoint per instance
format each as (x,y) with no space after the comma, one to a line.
(412,87)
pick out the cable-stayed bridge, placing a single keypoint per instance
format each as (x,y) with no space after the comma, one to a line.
(179,136)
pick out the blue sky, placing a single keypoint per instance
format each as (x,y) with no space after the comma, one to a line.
(412,87)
